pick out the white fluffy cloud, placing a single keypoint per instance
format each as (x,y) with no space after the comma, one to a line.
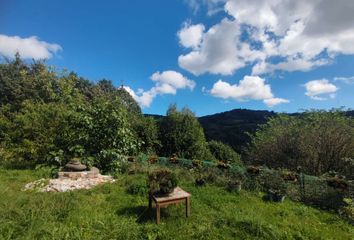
(30,47)
(190,36)
(250,87)
(302,34)
(218,52)
(320,89)
(167,82)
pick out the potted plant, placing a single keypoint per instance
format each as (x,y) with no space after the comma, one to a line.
(200,181)
(223,165)
(234,185)
(196,163)
(174,159)
(253,170)
(131,159)
(275,186)
(289,176)
(152,159)
(338,182)
(162,181)
(276,195)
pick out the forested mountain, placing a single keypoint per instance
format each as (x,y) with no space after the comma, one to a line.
(231,127)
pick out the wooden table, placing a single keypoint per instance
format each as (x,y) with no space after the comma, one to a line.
(178,195)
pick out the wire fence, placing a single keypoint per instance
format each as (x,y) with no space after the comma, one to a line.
(311,190)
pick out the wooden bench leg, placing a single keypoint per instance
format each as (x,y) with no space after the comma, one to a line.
(157,213)
(188,209)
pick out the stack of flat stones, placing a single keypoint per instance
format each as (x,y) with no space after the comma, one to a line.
(75,176)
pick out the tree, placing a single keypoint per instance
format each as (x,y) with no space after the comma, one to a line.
(147,131)
(46,113)
(181,134)
(128,101)
(223,152)
(30,135)
(319,141)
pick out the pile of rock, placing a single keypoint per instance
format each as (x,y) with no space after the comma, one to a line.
(73,177)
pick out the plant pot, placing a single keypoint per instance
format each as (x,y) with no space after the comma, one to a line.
(290,177)
(200,182)
(222,165)
(152,159)
(276,196)
(234,187)
(196,163)
(338,183)
(253,170)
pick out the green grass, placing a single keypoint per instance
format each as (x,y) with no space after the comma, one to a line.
(109,212)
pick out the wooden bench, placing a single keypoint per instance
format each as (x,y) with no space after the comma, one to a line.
(178,195)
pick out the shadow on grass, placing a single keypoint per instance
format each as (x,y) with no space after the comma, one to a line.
(142,213)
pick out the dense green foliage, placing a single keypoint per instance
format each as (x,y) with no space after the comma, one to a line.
(108,212)
(232,127)
(162,181)
(223,152)
(47,115)
(147,131)
(318,141)
(181,134)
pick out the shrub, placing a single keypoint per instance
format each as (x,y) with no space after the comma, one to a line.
(162,181)
(182,134)
(319,141)
(138,187)
(274,182)
(111,161)
(224,152)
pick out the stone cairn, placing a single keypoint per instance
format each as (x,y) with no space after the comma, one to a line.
(75,175)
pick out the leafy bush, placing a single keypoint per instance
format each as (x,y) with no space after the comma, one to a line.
(162,181)
(318,141)
(111,161)
(182,134)
(138,187)
(223,152)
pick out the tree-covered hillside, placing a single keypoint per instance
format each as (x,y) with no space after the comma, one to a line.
(231,127)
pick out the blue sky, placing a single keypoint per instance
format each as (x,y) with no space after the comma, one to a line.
(208,55)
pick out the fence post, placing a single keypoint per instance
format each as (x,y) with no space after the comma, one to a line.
(301,182)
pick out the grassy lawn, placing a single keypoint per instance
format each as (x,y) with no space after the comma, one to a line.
(109,212)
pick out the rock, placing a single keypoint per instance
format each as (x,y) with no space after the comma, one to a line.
(75,166)
(65,184)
